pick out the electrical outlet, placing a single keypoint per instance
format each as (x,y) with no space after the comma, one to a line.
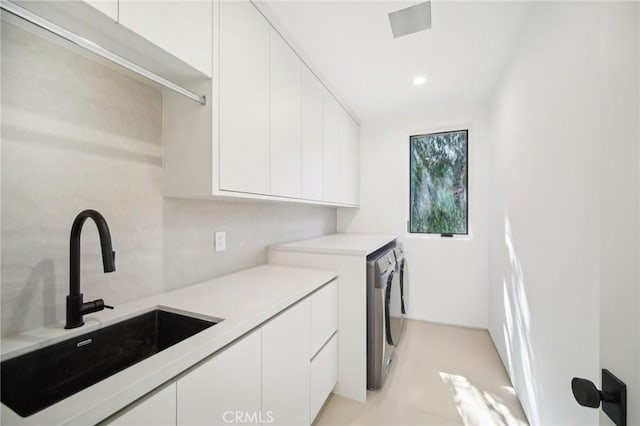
(221,241)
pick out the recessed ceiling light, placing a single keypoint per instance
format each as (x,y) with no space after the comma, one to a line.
(419,80)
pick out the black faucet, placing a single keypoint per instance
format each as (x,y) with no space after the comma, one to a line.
(76,308)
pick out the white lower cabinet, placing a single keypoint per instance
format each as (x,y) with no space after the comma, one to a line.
(324,375)
(225,388)
(272,375)
(323,346)
(285,367)
(158,408)
(324,316)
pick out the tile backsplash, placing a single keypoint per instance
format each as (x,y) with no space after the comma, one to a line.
(77,134)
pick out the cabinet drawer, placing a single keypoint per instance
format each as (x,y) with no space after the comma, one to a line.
(324,316)
(324,375)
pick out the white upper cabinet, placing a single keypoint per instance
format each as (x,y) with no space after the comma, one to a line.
(349,159)
(354,160)
(108,7)
(173,39)
(332,148)
(244,99)
(312,144)
(341,153)
(286,119)
(182,28)
(271,130)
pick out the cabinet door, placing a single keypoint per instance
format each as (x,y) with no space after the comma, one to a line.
(182,28)
(285,367)
(244,98)
(224,385)
(312,145)
(286,119)
(354,143)
(324,316)
(156,409)
(349,159)
(332,147)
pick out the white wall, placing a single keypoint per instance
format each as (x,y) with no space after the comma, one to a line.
(619,219)
(76,135)
(447,279)
(564,208)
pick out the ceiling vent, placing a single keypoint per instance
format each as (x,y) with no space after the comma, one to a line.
(411,20)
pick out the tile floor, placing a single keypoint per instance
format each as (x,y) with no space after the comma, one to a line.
(442,375)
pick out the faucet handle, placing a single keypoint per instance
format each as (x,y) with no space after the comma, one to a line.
(93,306)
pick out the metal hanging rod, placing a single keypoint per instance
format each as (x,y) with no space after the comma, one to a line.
(100,51)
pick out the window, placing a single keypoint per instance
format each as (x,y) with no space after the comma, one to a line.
(438,183)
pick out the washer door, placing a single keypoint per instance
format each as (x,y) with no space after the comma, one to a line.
(393,309)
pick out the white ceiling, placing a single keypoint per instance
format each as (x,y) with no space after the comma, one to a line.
(351,45)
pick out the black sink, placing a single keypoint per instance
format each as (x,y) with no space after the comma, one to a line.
(36,380)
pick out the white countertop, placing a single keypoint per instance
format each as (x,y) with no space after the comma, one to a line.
(243,300)
(348,244)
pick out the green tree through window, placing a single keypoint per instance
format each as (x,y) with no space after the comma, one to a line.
(438,184)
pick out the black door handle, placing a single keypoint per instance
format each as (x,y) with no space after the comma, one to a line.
(613,396)
(585,392)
